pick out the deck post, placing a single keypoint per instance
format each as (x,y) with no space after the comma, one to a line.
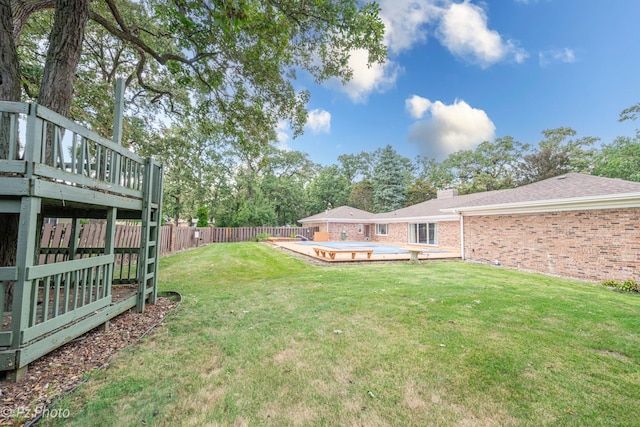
(149,239)
(109,249)
(118,111)
(22,289)
(17,375)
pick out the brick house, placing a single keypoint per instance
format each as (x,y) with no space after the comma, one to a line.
(356,224)
(423,223)
(573,225)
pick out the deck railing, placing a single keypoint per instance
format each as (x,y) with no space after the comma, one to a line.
(67,152)
(66,291)
(46,162)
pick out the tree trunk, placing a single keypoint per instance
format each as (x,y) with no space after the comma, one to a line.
(9,73)
(63,56)
(23,9)
(9,91)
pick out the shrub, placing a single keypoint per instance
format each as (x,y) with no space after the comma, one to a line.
(628,286)
(203,216)
(261,237)
(611,283)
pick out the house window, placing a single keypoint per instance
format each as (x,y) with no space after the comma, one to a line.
(382,229)
(360,228)
(425,233)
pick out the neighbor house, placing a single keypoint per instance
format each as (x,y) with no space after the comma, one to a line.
(573,225)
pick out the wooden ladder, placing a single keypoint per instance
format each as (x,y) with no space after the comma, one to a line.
(150,234)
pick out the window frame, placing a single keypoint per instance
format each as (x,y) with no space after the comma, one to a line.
(428,229)
(386,229)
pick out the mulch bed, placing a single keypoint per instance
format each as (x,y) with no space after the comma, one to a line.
(62,370)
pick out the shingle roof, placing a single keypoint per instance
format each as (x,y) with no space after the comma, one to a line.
(572,186)
(340,213)
(563,187)
(432,207)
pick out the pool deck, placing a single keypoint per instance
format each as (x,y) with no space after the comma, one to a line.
(381,251)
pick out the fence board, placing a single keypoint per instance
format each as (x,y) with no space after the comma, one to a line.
(55,239)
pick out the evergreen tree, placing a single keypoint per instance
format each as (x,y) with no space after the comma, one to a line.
(391,175)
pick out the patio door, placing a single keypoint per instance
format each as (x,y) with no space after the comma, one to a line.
(423,233)
(367,232)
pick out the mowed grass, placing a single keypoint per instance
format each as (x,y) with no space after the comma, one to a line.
(264,338)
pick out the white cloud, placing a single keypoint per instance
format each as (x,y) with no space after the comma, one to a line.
(319,121)
(283,133)
(406,22)
(463,30)
(565,55)
(459,27)
(367,79)
(417,106)
(405,26)
(450,128)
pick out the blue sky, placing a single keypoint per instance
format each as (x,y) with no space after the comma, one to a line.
(462,72)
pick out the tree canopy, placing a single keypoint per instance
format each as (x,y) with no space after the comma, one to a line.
(230,62)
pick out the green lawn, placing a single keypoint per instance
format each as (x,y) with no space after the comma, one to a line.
(263,338)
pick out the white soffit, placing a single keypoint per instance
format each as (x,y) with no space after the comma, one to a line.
(627,200)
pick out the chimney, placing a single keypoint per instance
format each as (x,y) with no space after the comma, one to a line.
(447,194)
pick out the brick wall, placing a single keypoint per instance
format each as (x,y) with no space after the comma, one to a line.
(396,233)
(335,232)
(593,245)
(449,234)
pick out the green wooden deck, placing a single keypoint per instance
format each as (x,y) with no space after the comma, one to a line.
(63,170)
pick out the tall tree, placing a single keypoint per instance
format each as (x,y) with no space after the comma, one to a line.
(354,166)
(238,56)
(433,172)
(557,154)
(630,113)
(491,166)
(329,189)
(241,54)
(420,190)
(286,175)
(10,91)
(620,159)
(391,176)
(361,195)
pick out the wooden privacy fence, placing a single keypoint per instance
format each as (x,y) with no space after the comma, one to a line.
(176,239)
(54,246)
(245,234)
(55,240)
